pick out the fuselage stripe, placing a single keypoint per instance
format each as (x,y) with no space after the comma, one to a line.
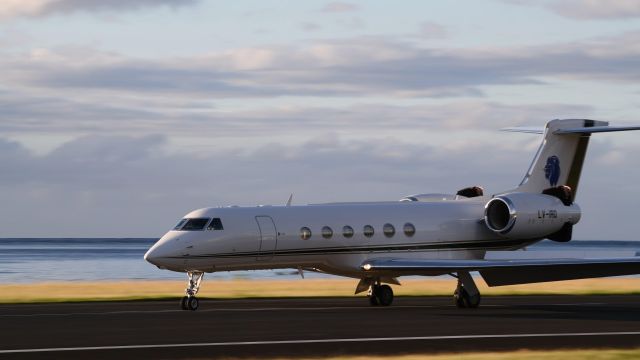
(476,245)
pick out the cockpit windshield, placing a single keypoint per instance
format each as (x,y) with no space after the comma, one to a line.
(192,224)
(180,223)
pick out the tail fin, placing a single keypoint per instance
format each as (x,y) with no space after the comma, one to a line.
(561,155)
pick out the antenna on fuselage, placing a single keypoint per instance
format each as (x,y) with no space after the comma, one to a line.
(290,198)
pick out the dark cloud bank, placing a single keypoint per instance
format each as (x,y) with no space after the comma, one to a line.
(131,186)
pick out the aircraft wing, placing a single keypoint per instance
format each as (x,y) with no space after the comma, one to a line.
(510,272)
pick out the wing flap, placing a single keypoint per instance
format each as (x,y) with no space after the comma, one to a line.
(559,272)
(510,272)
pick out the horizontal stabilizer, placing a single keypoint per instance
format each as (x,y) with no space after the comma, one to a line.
(510,272)
(595,129)
(573,130)
(527,130)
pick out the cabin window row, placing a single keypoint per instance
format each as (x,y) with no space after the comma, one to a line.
(197,224)
(368,231)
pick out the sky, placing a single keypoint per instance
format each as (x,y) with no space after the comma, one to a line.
(117,117)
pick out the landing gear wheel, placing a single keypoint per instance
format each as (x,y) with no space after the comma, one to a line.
(183,303)
(384,294)
(192,303)
(473,301)
(458,298)
(373,300)
(380,295)
(463,299)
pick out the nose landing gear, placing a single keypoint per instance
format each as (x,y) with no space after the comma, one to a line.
(189,301)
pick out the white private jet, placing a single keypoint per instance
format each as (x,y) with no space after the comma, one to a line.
(428,234)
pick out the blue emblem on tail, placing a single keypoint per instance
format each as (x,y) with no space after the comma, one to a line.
(552,170)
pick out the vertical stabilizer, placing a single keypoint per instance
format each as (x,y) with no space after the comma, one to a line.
(560,156)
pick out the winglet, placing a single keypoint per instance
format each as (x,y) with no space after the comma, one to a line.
(290,198)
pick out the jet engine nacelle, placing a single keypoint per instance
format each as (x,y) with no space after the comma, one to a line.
(529,215)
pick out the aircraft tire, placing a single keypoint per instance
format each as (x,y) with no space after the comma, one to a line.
(463,299)
(472,301)
(384,294)
(373,299)
(192,303)
(458,299)
(183,303)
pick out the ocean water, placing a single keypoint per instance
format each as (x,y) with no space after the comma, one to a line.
(34,260)
(24,260)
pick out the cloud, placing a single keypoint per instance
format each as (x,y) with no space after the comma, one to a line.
(132,186)
(340,7)
(309,26)
(431,30)
(31,8)
(588,9)
(593,9)
(357,67)
(104,185)
(24,114)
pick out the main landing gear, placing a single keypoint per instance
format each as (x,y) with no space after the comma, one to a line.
(466,294)
(189,301)
(380,295)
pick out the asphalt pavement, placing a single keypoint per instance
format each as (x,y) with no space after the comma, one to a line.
(315,327)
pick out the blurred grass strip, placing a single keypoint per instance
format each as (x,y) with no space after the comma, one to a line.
(242,288)
(606,354)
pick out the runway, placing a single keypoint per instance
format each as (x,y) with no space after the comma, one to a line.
(315,327)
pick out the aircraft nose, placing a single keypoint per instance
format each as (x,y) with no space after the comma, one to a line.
(151,255)
(159,253)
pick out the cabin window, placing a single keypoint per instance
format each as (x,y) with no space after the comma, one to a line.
(327,233)
(388,230)
(195,224)
(216,224)
(368,231)
(305,233)
(180,223)
(347,231)
(409,229)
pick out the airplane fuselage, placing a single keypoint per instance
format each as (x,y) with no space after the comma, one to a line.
(339,236)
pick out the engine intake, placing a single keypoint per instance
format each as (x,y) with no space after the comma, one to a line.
(528,215)
(500,215)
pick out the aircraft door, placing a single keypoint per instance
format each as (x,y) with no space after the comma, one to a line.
(268,237)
